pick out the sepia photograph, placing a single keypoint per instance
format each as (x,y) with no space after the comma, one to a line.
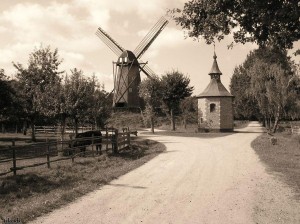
(157,112)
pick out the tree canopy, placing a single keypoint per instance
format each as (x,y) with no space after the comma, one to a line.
(176,88)
(266,87)
(265,22)
(39,84)
(151,91)
(6,94)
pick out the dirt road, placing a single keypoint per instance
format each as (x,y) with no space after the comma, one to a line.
(197,180)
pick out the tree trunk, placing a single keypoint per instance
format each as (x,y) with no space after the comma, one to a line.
(184,122)
(152,124)
(24,127)
(76,126)
(172,120)
(33,138)
(267,123)
(63,126)
(277,116)
(3,128)
(144,119)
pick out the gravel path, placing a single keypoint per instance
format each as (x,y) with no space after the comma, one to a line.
(197,180)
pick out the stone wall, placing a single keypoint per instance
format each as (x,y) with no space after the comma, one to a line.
(219,119)
(226,113)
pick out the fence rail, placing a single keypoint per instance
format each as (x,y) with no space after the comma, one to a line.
(54,151)
(57,129)
(296,130)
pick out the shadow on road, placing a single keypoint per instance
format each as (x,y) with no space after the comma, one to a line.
(126,185)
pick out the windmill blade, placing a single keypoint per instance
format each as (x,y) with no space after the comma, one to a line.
(111,43)
(150,37)
(147,70)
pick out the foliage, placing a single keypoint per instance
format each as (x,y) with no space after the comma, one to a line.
(248,21)
(188,107)
(6,95)
(151,91)
(245,105)
(101,106)
(39,84)
(76,96)
(266,87)
(175,89)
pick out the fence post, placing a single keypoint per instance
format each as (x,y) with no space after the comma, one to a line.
(48,154)
(115,141)
(106,136)
(14,158)
(93,145)
(128,138)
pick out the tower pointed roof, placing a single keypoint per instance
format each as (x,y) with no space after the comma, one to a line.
(215,87)
(215,68)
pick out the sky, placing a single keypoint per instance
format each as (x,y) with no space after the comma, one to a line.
(70,26)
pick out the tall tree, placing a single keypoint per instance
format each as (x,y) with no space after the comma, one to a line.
(5,93)
(6,98)
(39,84)
(175,89)
(265,22)
(77,97)
(101,105)
(188,107)
(245,105)
(274,89)
(265,86)
(151,92)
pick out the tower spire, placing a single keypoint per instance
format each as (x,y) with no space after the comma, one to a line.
(215,71)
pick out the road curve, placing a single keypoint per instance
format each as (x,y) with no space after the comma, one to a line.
(197,180)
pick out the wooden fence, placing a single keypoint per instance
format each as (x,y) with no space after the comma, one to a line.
(296,130)
(57,129)
(54,151)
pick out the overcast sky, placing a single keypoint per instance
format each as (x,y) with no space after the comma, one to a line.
(70,26)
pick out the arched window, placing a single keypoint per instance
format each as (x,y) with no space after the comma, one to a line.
(212,107)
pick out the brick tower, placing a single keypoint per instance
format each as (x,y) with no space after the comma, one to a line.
(215,104)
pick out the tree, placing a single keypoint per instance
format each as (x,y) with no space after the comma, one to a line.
(151,91)
(6,98)
(77,97)
(245,105)
(101,105)
(39,84)
(175,89)
(5,93)
(188,107)
(273,88)
(266,86)
(265,22)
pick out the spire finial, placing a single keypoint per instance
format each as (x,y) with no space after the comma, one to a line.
(215,56)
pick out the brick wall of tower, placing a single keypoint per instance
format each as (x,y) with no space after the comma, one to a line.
(213,118)
(201,113)
(226,119)
(207,119)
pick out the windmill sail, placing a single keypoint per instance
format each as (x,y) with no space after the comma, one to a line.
(110,42)
(150,37)
(126,72)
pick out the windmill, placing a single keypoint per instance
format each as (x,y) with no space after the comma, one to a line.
(126,70)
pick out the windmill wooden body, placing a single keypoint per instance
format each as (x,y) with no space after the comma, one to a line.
(127,68)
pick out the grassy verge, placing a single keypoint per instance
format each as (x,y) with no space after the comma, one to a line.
(41,190)
(283,158)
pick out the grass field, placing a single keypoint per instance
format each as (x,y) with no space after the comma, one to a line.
(40,190)
(283,158)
